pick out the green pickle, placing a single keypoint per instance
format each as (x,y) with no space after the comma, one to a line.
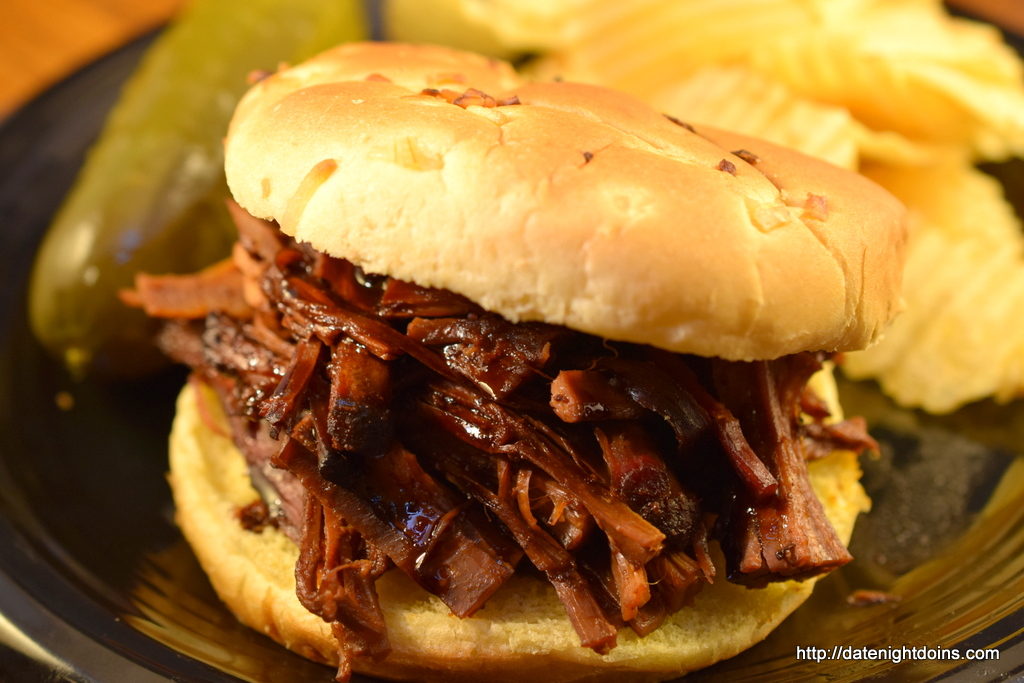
(150,196)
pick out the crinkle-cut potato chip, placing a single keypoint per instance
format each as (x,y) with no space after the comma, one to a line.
(970,205)
(889,147)
(642,45)
(961,337)
(910,68)
(943,351)
(737,98)
(971,348)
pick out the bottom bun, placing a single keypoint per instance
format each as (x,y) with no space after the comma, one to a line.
(521,633)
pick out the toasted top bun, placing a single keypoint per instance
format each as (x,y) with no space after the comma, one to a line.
(521,632)
(578,206)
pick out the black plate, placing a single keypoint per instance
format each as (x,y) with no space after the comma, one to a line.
(96,583)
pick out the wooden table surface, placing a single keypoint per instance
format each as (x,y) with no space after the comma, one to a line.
(41,41)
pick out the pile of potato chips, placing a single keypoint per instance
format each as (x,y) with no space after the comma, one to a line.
(896,89)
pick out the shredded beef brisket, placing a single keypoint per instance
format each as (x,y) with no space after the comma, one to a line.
(389,425)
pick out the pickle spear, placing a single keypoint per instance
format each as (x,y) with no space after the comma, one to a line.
(150,196)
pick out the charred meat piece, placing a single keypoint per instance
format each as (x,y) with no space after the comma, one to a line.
(788,536)
(215,289)
(588,395)
(334,579)
(495,354)
(641,477)
(405,300)
(358,413)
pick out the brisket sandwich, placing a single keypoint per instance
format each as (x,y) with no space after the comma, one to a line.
(509,380)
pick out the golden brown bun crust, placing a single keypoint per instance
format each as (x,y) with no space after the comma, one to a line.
(521,633)
(581,206)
